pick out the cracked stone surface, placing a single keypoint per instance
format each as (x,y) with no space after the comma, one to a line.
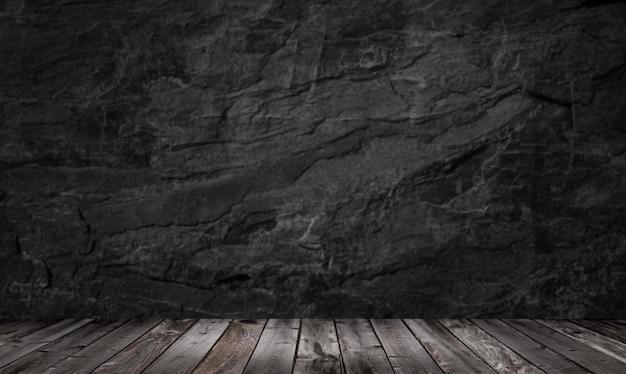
(375,158)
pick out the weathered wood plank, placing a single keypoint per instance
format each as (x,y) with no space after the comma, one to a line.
(618,325)
(599,342)
(570,348)
(361,350)
(318,348)
(184,355)
(53,332)
(233,350)
(95,354)
(140,354)
(404,351)
(602,328)
(8,323)
(51,354)
(510,346)
(621,323)
(23,328)
(497,355)
(276,349)
(449,353)
(536,353)
(37,339)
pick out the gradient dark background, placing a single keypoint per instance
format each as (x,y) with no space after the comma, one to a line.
(398,158)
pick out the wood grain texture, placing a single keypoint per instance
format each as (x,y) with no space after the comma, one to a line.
(597,341)
(55,352)
(361,350)
(276,349)
(184,355)
(232,352)
(8,323)
(318,348)
(19,348)
(619,325)
(538,354)
(404,351)
(583,355)
(603,328)
(493,352)
(23,328)
(378,346)
(140,354)
(449,353)
(95,354)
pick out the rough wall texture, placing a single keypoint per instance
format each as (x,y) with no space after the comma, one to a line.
(376,158)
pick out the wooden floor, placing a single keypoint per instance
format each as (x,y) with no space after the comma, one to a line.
(276,346)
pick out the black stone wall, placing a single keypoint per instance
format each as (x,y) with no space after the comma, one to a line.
(377,158)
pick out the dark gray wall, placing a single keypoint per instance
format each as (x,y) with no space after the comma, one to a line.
(312,158)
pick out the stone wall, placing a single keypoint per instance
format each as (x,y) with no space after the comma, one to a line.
(378,158)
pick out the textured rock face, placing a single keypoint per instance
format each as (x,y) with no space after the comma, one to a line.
(410,158)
